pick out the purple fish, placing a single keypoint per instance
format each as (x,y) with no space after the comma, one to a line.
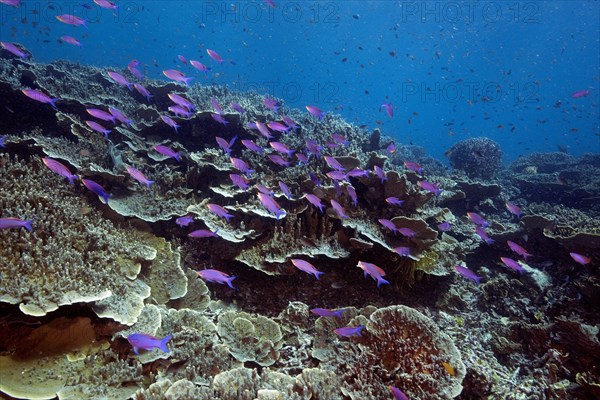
(199,66)
(182,101)
(263,189)
(339,139)
(213,275)
(271,205)
(169,121)
(467,273)
(352,193)
(581,259)
(413,166)
(302,158)
(374,271)
(402,251)
(278,127)
(313,147)
(14,3)
(307,267)
(262,128)
(219,211)
(277,159)
(179,111)
(71,20)
(216,105)
(349,331)
(579,94)
(39,96)
(60,169)
(388,224)
(167,151)
(407,232)
(518,249)
(357,172)
(120,79)
(391,148)
(239,181)
(96,188)
(379,172)
(185,220)
(241,165)
(444,226)
(250,145)
(139,176)
(10,223)
(512,264)
(143,91)
(202,234)
(394,201)
(339,210)
(286,190)
(146,342)
(182,59)
(224,144)
(120,116)
(98,128)
(388,109)
(290,122)
(281,148)
(333,163)
(514,210)
(10,47)
(106,4)
(315,111)
(314,179)
(238,108)
(430,187)
(215,56)
(336,175)
(397,393)
(219,118)
(478,219)
(177,76)
(271,104)
(324,312)
(135,72)
(315,201)
(483,235)
(100,114)
(2,138)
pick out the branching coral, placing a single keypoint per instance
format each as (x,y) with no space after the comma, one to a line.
(478,157)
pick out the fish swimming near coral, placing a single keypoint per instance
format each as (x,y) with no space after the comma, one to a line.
(581,259)
(11,223)
(483,235)
(512,264)
(185,220)
(146,342)
(96,188)
(213,275)
(307,267)
(71,20)
(219,211)
(397,393)
(324,312)
(39,96)
(166,151)
(518,249)
(349,331)
(467,273)
(202,233)
(139,176)
(374,271)
(12,48)
(60,169)
(515,210)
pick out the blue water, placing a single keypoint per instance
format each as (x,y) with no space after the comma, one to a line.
(452,70)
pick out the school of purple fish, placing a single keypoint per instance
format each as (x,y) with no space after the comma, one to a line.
(277,152)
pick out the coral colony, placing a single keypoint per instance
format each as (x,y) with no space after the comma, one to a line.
(192,241)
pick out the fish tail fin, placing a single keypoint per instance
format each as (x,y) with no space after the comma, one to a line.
(229,280)
(28,225)
(380,280)
(163,343)
(477,279)
(318,275)
(148,183)
(178,156)
(187,80)
(339,313)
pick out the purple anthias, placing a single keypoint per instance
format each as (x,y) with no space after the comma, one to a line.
(270,204)
(101,114)
(250,145)
(315,201)
(120,79)
(39,96)
(60,169)
(139,176)
(388,109)
(483,235)
(512,264)
(307,267)
(96,188)
(146,342)
(167,151)
(184,221)
(315,111)
(12,223)
(430,187)
(202,234)
(219,118)
(324,312)
(239,181)
(467,273)
(169,121)
(339,210)
(518,249)
(213,275)
(349,331)
(10,47)
(478,219)
(98,128)
(413,166)
(219,211)
(177,76)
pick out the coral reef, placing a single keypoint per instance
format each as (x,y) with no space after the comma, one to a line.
(477,157)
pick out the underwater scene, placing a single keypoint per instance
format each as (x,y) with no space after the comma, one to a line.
(299,200)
